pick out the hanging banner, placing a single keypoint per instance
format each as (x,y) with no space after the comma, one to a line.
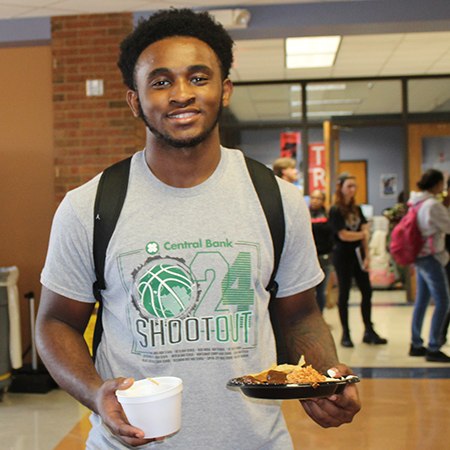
(289,144)
(317,167)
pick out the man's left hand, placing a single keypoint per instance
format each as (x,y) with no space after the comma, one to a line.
(337,409)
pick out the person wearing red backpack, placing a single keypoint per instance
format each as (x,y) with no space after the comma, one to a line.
(433,220)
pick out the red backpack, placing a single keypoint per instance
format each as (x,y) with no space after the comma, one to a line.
(406,239)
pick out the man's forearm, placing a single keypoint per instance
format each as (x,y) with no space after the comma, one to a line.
(66,355)
(312,339)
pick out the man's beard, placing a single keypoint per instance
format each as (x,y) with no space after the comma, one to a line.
(180,143)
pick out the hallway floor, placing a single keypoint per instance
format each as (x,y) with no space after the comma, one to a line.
(406,400)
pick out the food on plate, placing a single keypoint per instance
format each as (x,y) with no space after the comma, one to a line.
(287,374)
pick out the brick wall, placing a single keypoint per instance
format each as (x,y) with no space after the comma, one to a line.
(90,133)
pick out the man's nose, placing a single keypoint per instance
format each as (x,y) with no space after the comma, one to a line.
(182,93)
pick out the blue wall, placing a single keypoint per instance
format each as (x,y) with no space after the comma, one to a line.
(381,147)
(27,29)
(263,144)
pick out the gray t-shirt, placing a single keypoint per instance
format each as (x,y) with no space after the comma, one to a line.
(186,271)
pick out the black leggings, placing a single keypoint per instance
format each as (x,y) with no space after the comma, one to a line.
(347,267)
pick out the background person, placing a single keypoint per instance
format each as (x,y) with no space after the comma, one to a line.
(323,239)
(433,220)
(184,189)
(351,257)
(285,169)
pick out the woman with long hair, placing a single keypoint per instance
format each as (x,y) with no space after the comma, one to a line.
(351,257)
(433,220)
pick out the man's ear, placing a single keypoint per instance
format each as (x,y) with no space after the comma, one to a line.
(227,90)
(133,102)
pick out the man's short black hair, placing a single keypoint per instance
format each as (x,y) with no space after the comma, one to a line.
(170,23)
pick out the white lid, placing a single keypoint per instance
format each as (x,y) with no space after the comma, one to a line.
(150,389)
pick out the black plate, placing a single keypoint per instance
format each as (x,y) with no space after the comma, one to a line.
(291,391)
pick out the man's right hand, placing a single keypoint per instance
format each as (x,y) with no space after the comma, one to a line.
(110,410)
(60,326)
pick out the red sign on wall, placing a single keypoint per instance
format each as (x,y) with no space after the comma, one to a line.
(316,166)
(289,144)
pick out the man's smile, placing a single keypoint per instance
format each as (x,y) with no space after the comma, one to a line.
(184,116)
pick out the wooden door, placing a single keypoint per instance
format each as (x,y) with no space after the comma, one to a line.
(359,169)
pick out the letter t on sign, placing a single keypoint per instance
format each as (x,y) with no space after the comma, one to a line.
(317,167)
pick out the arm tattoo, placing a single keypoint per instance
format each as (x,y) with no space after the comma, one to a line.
(313,340)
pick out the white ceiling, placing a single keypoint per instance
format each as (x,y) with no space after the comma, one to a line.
(421,53)
(358,56)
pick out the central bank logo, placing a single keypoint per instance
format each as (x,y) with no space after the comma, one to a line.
(165,288)
(152,248)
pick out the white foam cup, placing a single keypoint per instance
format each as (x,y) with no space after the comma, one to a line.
(154,408)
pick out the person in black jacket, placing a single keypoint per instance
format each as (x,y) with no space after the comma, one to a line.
(324,242)
(351,257)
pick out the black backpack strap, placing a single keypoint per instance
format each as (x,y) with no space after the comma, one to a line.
(269,194)
(110,197)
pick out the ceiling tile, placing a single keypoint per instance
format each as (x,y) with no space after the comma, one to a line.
(85,6)
(9,11)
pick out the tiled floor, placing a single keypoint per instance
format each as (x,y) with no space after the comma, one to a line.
(37,421)
(406,401)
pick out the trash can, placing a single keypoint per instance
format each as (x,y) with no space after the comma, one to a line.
(32,378)
(5,357)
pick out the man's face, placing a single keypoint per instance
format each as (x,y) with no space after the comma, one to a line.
(316,200)
(290,174)
(180,92)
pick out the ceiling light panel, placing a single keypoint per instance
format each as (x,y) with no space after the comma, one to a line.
(326,87)
(312,45)
(311,52)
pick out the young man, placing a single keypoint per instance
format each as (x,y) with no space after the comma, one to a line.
(285,169)
(187,266)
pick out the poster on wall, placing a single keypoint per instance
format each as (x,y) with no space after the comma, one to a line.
(436,154)
(316,167)
(289,144)
(388,184)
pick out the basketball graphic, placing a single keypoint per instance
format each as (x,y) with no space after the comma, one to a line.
(164,288)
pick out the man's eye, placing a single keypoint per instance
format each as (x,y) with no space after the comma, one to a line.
(160,83)
(199,79)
